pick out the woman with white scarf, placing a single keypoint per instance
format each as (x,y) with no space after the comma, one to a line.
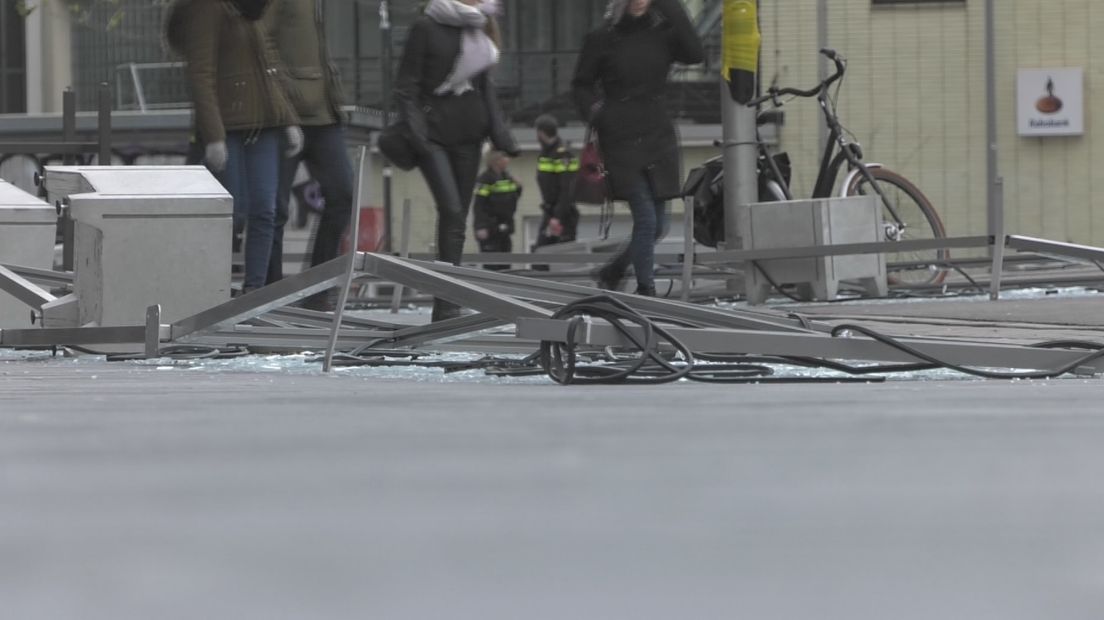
(445,94)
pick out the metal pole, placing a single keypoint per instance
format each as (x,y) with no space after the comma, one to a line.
(741,187)
(687,247)
(103,127)
(68,122)
(995,206)
(822,66)
(996,246)
(343,293)
(404,252)
(385,62)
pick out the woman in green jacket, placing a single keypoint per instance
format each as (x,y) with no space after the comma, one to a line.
(242,113)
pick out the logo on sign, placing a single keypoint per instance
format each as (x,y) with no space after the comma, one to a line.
(1049,104)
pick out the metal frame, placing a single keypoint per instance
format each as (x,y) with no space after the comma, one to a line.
(261,318)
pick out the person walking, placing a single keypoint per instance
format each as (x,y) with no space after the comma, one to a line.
(627,60)
(557,168)
(314,87)
(445,94)
(496,198)
(242,114)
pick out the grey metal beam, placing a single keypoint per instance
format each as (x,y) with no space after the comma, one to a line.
(908,245)
(561,293)
(426,278)
(135,334)
(318,319)
(600,333)
(262,300)
(441,331)
(43,276)
(24,290)
(1058,248)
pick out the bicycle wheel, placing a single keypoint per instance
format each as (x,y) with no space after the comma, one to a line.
(920,221)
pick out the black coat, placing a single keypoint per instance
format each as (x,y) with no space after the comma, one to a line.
(495,202)
(557,168)
(449,120)
(619,85)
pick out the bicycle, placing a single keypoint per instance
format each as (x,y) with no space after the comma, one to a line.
(908,214)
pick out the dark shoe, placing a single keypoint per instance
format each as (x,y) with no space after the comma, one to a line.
(444,310)
(646,291)
(607,280)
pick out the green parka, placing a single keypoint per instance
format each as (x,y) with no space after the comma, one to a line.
(313,83)
(233,70)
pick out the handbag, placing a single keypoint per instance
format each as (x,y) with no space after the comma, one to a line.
(591,184)
(396,142)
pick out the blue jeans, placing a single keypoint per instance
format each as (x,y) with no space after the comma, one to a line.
(649,217)
(251,177)
(327,159)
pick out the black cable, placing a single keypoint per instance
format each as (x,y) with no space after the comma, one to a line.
(774,284)
(560,359)
(934,362)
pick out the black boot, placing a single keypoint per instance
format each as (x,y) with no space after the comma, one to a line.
(645,291)
(444,310)
(609,279)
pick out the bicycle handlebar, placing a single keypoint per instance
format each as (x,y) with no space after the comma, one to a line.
(774,93)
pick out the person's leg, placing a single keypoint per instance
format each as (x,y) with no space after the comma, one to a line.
(288,167)
(498,242)
(232,178)
(437,172)
(262,171)
(464,161)
(647,215)
(328,162)
(436,168)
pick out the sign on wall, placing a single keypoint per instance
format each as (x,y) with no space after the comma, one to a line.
(1051,102)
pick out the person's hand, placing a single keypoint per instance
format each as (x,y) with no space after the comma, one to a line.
(555,228)
(216,155)
(482,234)
(294,141)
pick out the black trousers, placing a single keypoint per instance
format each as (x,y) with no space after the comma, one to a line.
(450,173)
(327,159)
(497,242)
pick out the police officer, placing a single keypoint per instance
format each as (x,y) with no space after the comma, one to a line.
(556,172)
(496,199)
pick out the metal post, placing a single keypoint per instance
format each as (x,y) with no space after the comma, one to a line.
(995,205)
(687,246)
(103,127)
(822,66)
(741,44)
(343,291)
(385,67)
(404,251)
(138,89)
(68,121)
(996,246)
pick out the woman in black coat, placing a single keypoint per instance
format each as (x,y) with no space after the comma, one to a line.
(619,85)
(445,94)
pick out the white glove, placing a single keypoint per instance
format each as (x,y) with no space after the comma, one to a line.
(216,155)
(294,141)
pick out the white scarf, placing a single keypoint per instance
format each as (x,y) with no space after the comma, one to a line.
(477,51)
(615,10)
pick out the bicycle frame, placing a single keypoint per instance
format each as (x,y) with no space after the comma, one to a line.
(831,161)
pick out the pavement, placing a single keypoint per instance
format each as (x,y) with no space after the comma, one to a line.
(153,491)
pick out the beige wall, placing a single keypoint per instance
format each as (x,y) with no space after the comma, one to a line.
(915,98)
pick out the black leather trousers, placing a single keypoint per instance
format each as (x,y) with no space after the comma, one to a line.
(450,173)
